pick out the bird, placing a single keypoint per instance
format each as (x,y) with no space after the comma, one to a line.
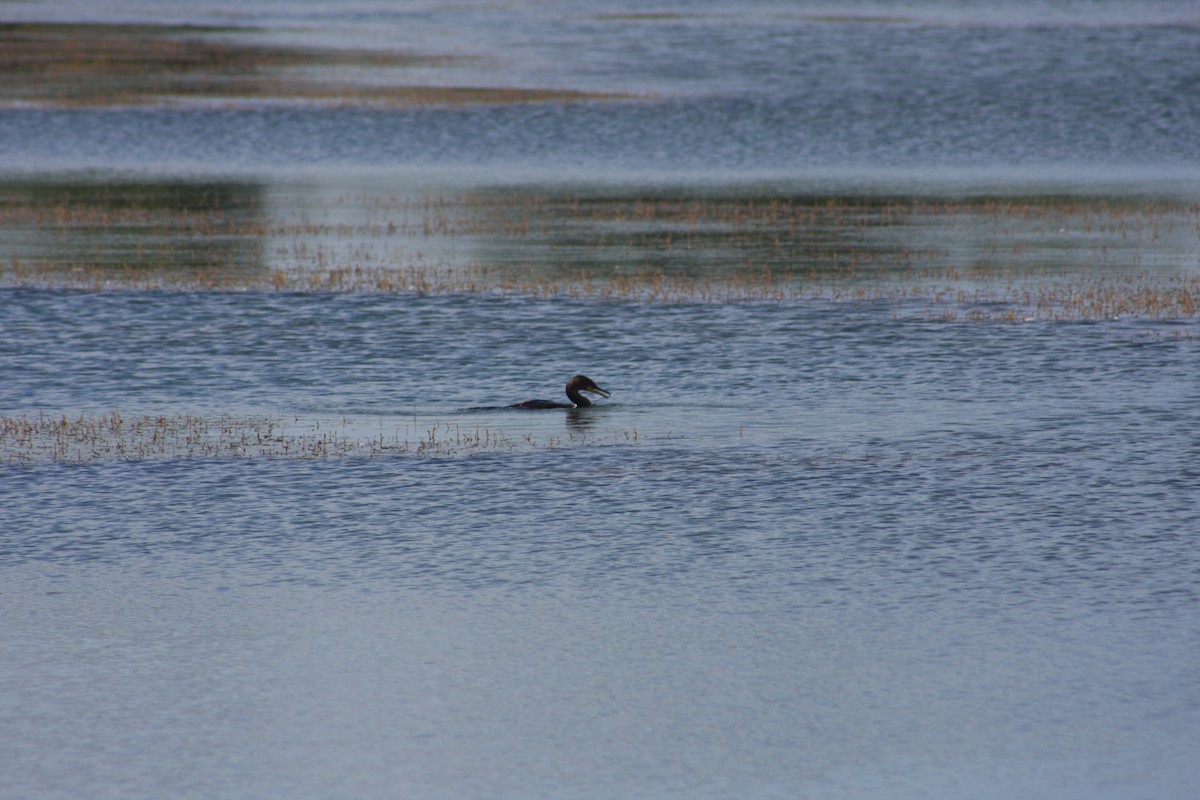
(577,384)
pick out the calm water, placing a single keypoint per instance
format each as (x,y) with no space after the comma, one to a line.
(828,548)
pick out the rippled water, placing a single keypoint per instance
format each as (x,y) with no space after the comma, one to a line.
(844,555)
(864,540)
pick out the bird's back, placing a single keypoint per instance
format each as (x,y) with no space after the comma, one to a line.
(540,404)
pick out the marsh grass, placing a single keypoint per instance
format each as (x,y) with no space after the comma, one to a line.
(113,436)
(98,65)
(1010,259)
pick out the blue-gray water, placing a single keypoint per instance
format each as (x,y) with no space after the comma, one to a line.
(812,548)
(764,90)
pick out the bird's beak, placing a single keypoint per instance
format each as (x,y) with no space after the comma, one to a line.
(594,389)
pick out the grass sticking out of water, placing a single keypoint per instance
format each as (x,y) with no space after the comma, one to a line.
(975,259)
(112,436)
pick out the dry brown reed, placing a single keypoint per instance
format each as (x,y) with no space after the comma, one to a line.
(974,259)
(92,64)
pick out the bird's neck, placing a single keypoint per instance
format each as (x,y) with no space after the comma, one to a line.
(579,400)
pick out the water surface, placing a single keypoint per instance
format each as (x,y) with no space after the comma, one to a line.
(895,495)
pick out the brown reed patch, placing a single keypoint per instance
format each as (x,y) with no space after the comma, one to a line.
(976,259)
(78,64)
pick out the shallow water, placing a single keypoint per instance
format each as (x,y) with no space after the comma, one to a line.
(884,525)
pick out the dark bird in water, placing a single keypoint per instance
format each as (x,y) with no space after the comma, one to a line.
(574,386)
